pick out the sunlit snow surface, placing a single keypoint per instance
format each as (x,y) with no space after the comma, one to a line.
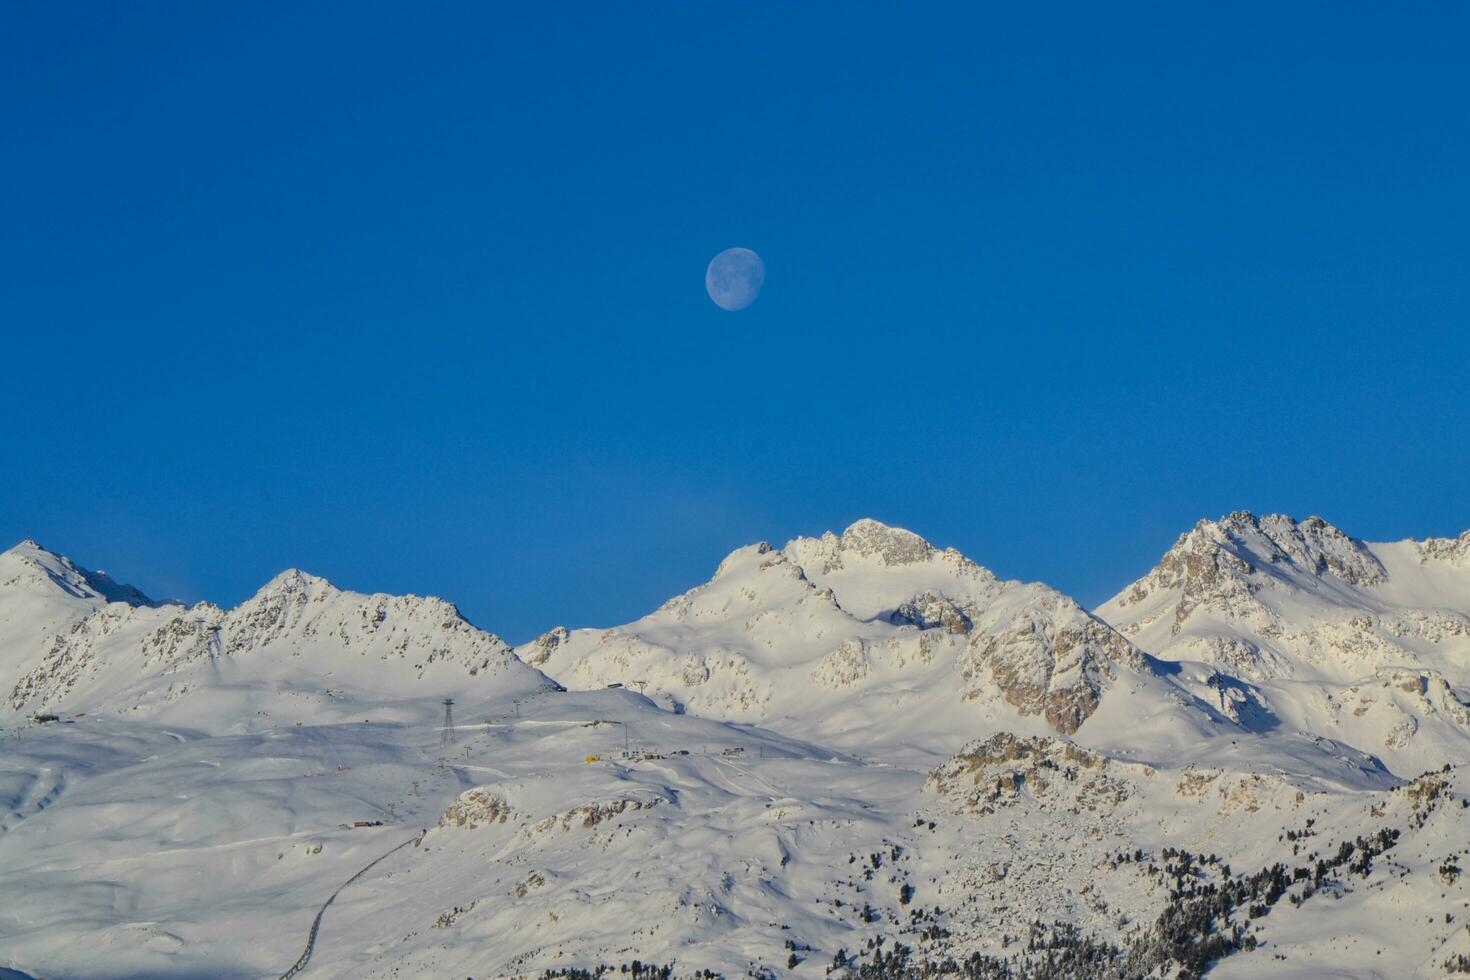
(794,743)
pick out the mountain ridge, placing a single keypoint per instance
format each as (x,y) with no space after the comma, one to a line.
(298,630)
(842,755)
(1248,621)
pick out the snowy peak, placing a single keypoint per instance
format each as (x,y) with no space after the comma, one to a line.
(1244,567)
(294,580)
(1037,648)
(299,633)
(1224,569)
(44,594)
(295,606)
(1367,641)
(876,616)
(877,571)
(866,543)
(755,560)
(30,567)
(1220,560)
(873,545)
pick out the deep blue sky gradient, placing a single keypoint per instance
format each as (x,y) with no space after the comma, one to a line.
(412,296)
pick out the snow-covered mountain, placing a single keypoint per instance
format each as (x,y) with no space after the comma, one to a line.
(873,629)
(1369,643)
(296,646)
(857,755)
(42,594)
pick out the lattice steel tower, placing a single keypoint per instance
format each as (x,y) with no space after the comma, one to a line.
(446,737)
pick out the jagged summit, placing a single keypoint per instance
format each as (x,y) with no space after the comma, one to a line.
(293,579)
(1221,565)
(1224,566)
(294,584)
(1276,545)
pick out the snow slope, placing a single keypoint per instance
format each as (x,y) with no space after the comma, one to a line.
(149,851)
(853,749)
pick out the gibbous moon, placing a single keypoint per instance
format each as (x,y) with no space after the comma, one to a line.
(734,278)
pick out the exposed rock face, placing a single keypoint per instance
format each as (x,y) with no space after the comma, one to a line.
(1397,703)
(486,807)
(891,546)
(1003,748)
(1050,659)
(872,545)
(993,773)
(544,645)
(1261,597)
(44,595)
(843,667)
(476,808)
(74,656)
(589,815)
(1039,649)
(929,611)
(1231,792)
(529,884)
(1454,551)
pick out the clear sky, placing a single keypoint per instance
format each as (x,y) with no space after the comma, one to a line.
(412,296)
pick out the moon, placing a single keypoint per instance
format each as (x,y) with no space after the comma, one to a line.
(734,278)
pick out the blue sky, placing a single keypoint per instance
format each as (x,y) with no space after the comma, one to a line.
(413,298)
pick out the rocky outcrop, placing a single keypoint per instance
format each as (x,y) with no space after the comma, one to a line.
(545,645)
(930,611)
(1455,551)
(589,815)
(476,808)
(891,546)
(999,771)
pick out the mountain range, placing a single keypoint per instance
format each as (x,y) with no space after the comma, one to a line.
(845,740)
